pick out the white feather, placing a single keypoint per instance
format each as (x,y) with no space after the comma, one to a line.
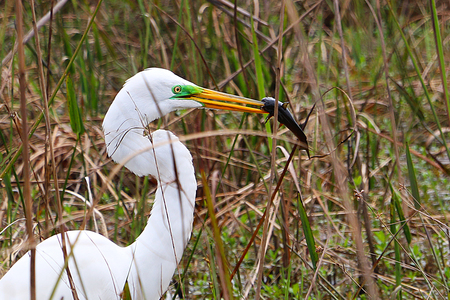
(99,267)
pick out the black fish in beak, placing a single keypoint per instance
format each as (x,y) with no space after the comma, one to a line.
(286,118)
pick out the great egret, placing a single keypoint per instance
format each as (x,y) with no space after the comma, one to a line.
(100,269)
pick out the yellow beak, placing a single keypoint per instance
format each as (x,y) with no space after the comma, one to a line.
(219,100)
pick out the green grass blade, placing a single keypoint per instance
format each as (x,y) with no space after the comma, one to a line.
(401,215)
(412,178)
(260,77)
(225,274)
(440,53)
(310,242)
(68,49)
(146,39)
(398,267)
(177,38)
(258,67)
(76,121)
(97,47)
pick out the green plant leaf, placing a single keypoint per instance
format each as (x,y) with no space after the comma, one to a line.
(76,121)
(310,242)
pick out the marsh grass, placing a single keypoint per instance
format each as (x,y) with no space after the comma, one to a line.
(370,219)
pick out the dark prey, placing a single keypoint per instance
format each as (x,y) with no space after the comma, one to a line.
(286,118)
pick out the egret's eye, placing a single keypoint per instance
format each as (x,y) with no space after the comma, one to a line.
(176,89)
(185,91)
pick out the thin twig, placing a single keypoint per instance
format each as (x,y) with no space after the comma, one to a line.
(25,154)
(341,180)
(262,250)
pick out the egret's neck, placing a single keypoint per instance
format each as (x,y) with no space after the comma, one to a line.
(159,248)
(170,222)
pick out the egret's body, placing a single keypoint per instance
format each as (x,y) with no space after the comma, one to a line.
(100,269)
(49,261)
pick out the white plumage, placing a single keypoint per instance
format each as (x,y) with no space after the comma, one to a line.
(99,267)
